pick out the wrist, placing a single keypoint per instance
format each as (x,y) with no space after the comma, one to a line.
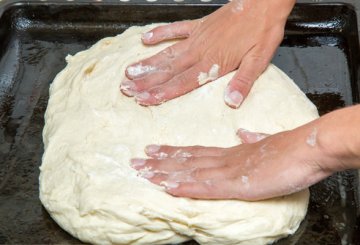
(265,8)
(339,137)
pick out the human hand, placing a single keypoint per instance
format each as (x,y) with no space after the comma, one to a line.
(262,167)
(241,35)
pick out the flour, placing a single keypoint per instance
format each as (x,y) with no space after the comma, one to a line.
(139,69)
(181,154)
(239,5)
(245,181)
(311,139)
(161,155)
(209,76)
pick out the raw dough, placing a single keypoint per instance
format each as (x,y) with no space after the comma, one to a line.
(92,130)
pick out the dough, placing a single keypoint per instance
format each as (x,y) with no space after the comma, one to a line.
(92,130)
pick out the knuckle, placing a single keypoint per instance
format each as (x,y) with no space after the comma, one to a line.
(160,29)
(190,24)
(189,162)
(196,173)
(175,24)
(166,72)
(244,80)
(183,79)
(169,52)
(211,58)
(260,60)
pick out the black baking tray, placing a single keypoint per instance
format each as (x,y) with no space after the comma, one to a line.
(320,52)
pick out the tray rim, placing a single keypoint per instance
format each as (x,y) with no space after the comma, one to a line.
(89,2)
(6,3)
(351,37)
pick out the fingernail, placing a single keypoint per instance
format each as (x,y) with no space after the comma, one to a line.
(137,162)
(169,184)
(147,36)
(146,173)
(242,130)
(233,98)
(150,149)
(250,137)
(128,87)
(142,96)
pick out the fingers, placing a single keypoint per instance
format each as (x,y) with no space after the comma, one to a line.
(248,137)
(183,83)
(168,165)
(153,64)
(133,87)
(200,190)
(168,158)
(174,30)
(155,151)
(163,73)
(182,164)
(157,69)
(190,175)
(239,86)
(211,189)
(194,174)
(252,66)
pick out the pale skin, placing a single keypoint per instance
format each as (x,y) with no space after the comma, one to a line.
(263,166)
(276,165)
(250,34)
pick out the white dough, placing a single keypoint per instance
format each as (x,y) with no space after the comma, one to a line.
(92,130)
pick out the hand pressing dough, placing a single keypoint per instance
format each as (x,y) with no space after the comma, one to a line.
(92,130)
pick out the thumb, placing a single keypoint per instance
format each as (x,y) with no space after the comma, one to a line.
(252,66)
(248,137)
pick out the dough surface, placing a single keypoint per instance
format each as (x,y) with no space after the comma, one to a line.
(92,130)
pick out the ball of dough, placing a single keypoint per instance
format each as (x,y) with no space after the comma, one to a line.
(92,131)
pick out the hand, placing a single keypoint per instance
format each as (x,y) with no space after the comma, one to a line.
(241,35)
(262,167)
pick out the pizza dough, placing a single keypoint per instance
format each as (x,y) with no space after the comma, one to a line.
(92,130)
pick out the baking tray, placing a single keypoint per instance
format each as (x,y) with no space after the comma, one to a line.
(320,52)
